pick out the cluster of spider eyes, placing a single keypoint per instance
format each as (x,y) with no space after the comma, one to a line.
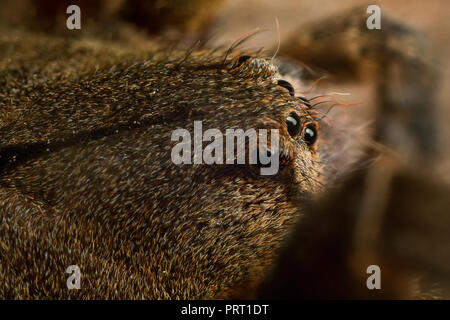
(296,129)
(308,131)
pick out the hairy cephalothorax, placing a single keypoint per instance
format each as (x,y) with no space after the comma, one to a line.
(87,176)
(91,153)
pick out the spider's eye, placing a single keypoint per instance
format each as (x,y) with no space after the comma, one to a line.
(309,134)
(293,124)
(287,86)
(240,61)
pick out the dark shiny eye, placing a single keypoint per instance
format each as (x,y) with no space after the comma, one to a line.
(309,134)
(240,61)
(293,124)
(287,86)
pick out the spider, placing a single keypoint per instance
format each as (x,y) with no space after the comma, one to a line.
(87,182)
